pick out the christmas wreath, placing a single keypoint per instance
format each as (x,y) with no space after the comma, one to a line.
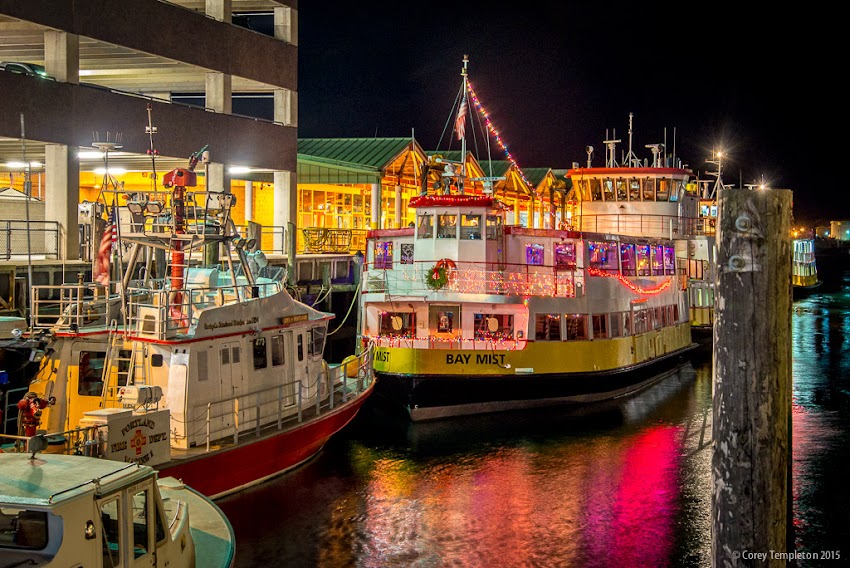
(439,274)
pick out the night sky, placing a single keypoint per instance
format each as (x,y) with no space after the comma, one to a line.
(555,75)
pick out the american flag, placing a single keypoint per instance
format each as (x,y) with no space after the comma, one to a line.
(103,263)
(460,122)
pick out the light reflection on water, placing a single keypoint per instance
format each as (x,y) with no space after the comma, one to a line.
(621,484)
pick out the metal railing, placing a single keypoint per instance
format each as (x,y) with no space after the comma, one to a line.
(70,306)
(476,278)
(164,311)
(257,411)
(272,408)
(40,240)
(670,226)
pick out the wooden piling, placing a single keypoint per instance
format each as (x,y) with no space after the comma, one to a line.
(751,430)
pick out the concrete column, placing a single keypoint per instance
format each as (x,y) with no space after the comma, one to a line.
(217,178)
(62,56)
(249,201)
(286,107)
(62,197)
(376,206)
(285,205)
(286,24)
(398,220)
(219,92)
(221,10)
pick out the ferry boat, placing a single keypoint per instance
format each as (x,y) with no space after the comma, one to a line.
(212,374)
(804,270)
(469,314)
(60,510)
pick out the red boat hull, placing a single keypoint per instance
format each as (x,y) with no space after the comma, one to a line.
(254,460)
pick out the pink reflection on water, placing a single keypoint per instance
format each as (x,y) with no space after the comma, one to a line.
(636,526)
(606,501)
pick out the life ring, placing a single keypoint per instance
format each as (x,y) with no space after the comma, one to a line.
(446,263)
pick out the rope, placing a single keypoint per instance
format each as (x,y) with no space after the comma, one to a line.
(353,302)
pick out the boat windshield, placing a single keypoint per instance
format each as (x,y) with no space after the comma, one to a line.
(23,528)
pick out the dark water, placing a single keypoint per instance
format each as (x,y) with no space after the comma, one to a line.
(621,484)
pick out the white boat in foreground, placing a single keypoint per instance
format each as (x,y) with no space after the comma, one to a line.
(69,511)
(209,371)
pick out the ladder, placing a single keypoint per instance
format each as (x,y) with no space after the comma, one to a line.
(128,362)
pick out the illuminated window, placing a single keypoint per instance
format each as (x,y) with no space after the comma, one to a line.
(565,256)
(383,254)
(603,255)
(649,189)
(442,319)
(534,254)
(628,262)
(576,325)
(398,323)
(663,192)
(643,260)
(622,190)
(608,190)
(547,327)
(657,260)
(669,260)
(470,227)
(494,327)
(446,226)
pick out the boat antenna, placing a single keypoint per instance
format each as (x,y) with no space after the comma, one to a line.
(109,262)
(610,150)
(631,159)
(27,196)
(717,160)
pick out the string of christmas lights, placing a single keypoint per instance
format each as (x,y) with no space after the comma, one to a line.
(495,133)
(631,285)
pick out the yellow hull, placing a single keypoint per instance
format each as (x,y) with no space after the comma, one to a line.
(537,358)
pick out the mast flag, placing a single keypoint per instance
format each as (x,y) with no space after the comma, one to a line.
(460,123)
